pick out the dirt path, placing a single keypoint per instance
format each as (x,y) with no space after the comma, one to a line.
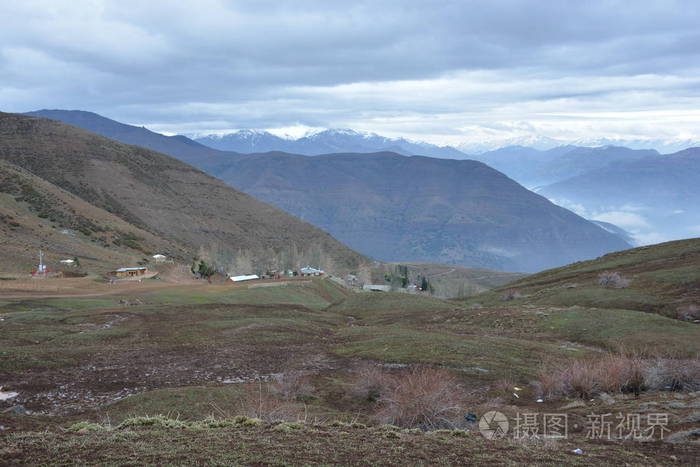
(79,288)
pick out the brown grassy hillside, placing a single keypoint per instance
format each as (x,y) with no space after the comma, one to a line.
(167,198)
(38,215)
(663,278)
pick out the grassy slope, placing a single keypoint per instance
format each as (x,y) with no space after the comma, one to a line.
(173,351)
(446,280)
(665,279)
(35,212)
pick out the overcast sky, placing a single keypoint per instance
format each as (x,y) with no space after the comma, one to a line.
(442,71)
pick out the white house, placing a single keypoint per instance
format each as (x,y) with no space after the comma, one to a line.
(159,258)
(245,277)
(67,261)
(309,271)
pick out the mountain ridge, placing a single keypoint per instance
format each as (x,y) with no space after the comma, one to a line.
(374,203)
(252,174)
(169,199)
(324,142)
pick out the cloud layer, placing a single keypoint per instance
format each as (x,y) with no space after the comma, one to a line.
(445,72)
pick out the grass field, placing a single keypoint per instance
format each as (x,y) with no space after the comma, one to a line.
(663,279)
(197,351)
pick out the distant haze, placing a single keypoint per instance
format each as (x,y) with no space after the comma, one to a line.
(473,75)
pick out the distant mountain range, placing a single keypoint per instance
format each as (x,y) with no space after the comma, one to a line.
(345,140)
(324,142)
(656,197)
(533,167)
(419,209)
(393,207)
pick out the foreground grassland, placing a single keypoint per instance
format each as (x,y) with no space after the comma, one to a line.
(250,442)
(194,353)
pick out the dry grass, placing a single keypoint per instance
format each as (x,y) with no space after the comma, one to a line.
(672,374)
(613,279)
(511,294)
(422,397)
(371,383)
(293,385)
(615,373)
(259,401)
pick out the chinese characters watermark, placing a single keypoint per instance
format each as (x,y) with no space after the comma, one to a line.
(606,426)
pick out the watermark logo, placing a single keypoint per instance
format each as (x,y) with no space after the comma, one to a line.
(608,426)
(493,425)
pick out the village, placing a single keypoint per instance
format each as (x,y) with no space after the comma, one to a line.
(154,266)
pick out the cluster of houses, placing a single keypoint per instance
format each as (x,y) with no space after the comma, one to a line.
(138,272)
(275,274)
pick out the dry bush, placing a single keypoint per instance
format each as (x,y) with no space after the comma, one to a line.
(670,374)
(688,312)
(551,382)
(582,378)
(422,397)
(505,385)
(258,401)
(294,385)
(511,294)
(371,383)
(613,279)
(618,373)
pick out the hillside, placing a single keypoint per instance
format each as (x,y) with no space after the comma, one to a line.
(446,281)
(657,196)
(663,279)
(419,209)
(168,199)
(39,215)
(178,146)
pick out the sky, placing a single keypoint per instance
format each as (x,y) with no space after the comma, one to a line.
(446,72)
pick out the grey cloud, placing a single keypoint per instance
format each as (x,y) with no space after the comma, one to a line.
(257,63)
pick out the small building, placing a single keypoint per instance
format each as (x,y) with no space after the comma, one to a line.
(309,271)
(130,272)
(67,261)
(245,277)
(158,258)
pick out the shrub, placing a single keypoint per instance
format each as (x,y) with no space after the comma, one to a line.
(259,402)
(505,385)
(618,373)
(86,426)
(371,383)
(422,397)
(581,378)
(551,382)
(287,427)
(293,385)
(511,295)
(673,374)
(613,279)
(156,420)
